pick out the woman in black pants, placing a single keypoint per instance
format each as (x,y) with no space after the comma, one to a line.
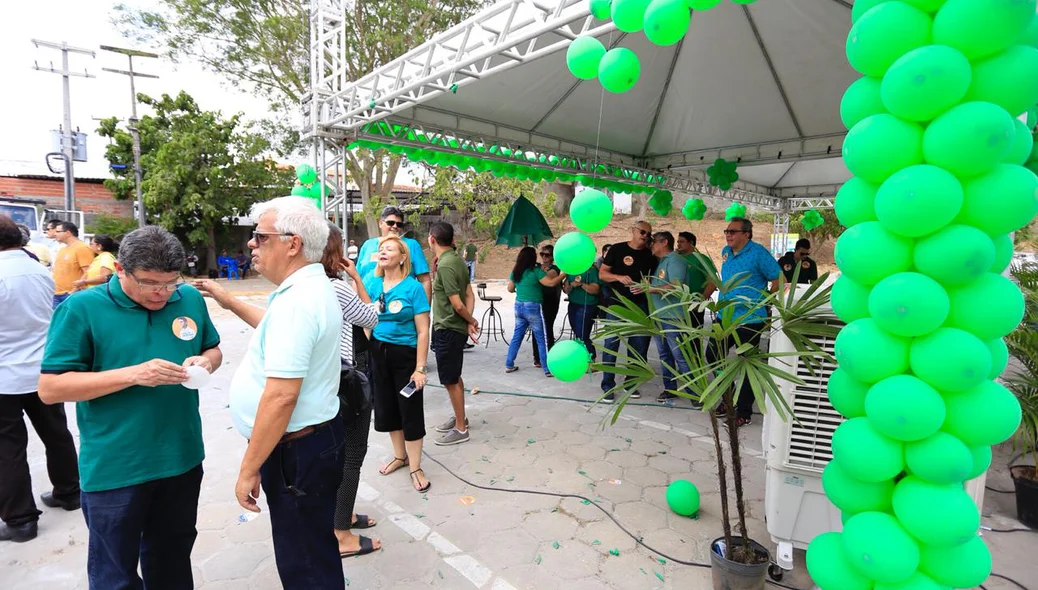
(550,307)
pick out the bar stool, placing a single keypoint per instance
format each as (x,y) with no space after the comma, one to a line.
(496,327)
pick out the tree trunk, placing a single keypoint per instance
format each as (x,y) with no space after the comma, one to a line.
(640,205)
(564,193)
(370,217)
(722,483)
(210,248)
(740,500)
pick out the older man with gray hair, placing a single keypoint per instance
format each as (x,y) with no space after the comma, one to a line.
(284,396)
(122,353)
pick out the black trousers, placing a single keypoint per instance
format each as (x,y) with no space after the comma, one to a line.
(750,333)
(354,450)
(17,506)
(550,310)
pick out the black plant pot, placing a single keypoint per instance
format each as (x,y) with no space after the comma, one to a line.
(730,575)
(1026,494)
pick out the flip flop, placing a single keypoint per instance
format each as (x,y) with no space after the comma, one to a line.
(363,522)
(423,489)
(385,471)
(366,546)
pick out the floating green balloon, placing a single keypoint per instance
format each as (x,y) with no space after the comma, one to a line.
(884,34)
(574,253)
(601,9)
(870,354)
(955,255)
(629,15)
(988,414)
(939,515)
(940,458)
(918,200)
(682,496)
(877,546)
(568,360)
(619,69)
(666,21)
(846,394)
(970,139)
(999,357)
(855,202)
(981,460)
(925,82)
(856,250)
(909,304)
(1008,79)
(735,210)
(1002,200)
(812,220)
(860,101)
(583,57)
(989,308)
(694,209)
(828,565)
(904,408)
(980,29)
(591,211)
(865,454)
(854,496)
(916,581)
(849,300)
(950,359)
(306,174)
(1023,144)
(880,145)
(966,565)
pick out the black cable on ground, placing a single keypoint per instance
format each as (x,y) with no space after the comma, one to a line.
(1010,580)
(990,530)
(991,489)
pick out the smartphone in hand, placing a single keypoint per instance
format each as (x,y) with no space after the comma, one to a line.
(409,389)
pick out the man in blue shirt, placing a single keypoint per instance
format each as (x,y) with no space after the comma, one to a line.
(747,260)
(392,223)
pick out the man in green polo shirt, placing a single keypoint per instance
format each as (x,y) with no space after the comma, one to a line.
(584,292)
(452,324)
(120,351)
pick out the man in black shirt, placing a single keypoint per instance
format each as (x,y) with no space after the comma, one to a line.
(626,265)
(800,256)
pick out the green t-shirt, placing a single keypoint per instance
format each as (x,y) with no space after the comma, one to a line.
(580,296)
(672,268)
(470,252)
(696,277)
(452,278)
(528,290)
(138,434)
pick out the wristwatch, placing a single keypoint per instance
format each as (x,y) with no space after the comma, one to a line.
(420,370)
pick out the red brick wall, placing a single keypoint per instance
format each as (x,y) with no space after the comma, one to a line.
(92,198)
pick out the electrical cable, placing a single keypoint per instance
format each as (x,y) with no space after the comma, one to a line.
(1008,579)
(991,530)
(991,489)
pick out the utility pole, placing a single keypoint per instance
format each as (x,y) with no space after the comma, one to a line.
(68,137)
(130,54)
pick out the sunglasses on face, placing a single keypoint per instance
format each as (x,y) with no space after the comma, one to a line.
(382,303)
(393,223)
(641,231)
(262,236)
(732,232)
(545,254)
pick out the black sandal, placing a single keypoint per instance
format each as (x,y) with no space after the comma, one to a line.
(383,471)
(366,546)
(428,484)
(363,522)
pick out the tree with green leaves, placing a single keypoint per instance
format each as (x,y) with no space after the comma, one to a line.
(262,46)
(199,168)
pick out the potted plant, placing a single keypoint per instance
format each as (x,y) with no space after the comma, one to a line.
(802,314)
(1022,380)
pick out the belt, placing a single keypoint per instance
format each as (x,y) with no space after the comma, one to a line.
(305,431)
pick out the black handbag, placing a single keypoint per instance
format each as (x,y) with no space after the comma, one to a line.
(354,392)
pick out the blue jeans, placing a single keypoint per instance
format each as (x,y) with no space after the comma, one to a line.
(527,316)
(670,356)
(153,523)
(636,345)
(59,298)
(300,479)
(582,320)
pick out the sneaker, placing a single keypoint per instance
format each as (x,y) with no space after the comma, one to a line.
(666,399)
(454,437)
(608,399)
(721,411)
(636,394)
(448,425)
(740,422)
(697,405)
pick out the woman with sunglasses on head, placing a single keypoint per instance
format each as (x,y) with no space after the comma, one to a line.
(527,282)
(399,349)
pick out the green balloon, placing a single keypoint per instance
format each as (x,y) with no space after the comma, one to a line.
(940,458)
(306,174)
(950,359)
(955,255)
(940,515)
(1001,201)
(574,253)
(880,145)
(904,408)
(629,15)
(856,250)
(854,496)
(970,139)
(999,357)
(987,414)
(619,69)
(828,565)
(980,29)
(865,454)
(849,300)
(925,82)
(666,21)
(568,360)
(989,308)
(1030,34)
(601,9)
(682,495)
(860,101)
(981,460)
(918,200)
(591,211)
(314,192)
(855,202)
(877,546)
(909,304)
(916,581)
(966,565)
(870,354)
(862,6)
(583,56)
(1008,79)
(702,4)
(1023,144)
(846,394)
(884,34)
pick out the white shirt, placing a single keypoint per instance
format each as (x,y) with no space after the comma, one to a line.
(26,298)
(351,252)
(297,337)
(54,246)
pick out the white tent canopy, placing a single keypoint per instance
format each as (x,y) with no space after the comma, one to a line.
(760,84)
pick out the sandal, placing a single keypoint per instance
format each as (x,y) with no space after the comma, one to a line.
(386,470)
(366,546)
(363,522)
(418,487)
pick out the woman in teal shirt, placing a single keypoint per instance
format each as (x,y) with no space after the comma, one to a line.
(526,281)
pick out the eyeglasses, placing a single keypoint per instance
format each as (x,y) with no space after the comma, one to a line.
(157,288)
(393,223)
(730,232)
(545,254)
(262,236)
(641,231)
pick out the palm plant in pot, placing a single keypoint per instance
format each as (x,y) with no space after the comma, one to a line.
(801,314)
(1022,380)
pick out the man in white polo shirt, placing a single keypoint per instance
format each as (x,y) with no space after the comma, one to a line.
(284,396)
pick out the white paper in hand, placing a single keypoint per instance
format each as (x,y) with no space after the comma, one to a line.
(197,377)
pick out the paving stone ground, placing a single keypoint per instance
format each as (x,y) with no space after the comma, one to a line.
(460,536)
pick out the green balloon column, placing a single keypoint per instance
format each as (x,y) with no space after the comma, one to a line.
(939,184)
(307,184)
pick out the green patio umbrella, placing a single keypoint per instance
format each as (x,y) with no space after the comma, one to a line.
(524,225)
